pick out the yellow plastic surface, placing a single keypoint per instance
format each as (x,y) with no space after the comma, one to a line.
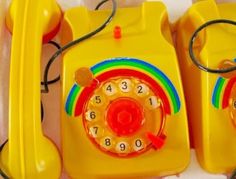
(51,18)
(28,154)
(146,36)
(214,134)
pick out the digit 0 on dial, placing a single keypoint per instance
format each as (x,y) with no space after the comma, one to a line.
(119,115)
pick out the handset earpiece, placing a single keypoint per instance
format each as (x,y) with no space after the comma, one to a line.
(52,19)
(28,153)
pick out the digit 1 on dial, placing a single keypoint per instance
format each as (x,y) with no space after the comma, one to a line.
(152,102)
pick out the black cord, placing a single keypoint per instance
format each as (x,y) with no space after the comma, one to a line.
(57,78)
(59,47)
(193,38)
(50,81)
(2,174)
(233,176)
(100,4)
(42,112)
(75,42)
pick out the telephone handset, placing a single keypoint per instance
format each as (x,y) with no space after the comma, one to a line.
(28,153)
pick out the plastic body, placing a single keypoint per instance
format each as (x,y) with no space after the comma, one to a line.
(208,95)
(137,48)
(51,18)
(28,153)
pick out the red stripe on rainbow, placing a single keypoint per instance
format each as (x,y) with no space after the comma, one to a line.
(87,92)
(228,89)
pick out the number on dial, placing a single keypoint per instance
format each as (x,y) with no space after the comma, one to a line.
(125,85)
(142,90)
(96,131)
(152,102)
(91,115)
(122,147)
(107,143)
(97,100)
(138,145)
(109,89)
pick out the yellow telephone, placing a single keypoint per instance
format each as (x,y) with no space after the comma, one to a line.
(210,96)
(28,153)
(123,110)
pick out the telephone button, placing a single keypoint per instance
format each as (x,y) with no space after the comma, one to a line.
(107,143)
(98,100)
(110,89)
(92,115)
(122,147)
(141,90)
(125,85)
(152,102)
(96,131)
(138,144)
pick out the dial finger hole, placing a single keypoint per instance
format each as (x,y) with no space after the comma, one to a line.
(92,115)
(107,143)
(138,144)
(142,90)
(96,131)
(98,100)
(122,147)
(110,89)
(125,85)
(152,102)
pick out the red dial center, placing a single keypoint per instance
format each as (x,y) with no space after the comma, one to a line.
(125,116)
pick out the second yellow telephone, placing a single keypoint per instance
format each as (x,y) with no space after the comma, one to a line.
(207,32)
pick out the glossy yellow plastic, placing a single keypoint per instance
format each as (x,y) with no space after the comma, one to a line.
(28,153)
(51,18)
(214,134)
(145,35)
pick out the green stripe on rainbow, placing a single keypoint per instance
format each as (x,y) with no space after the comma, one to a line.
(133,64)
(221,92)
(70,103)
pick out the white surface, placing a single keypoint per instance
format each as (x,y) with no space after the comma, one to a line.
(194,171)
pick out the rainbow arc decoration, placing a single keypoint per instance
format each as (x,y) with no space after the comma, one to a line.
(221,92)
(125,67)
